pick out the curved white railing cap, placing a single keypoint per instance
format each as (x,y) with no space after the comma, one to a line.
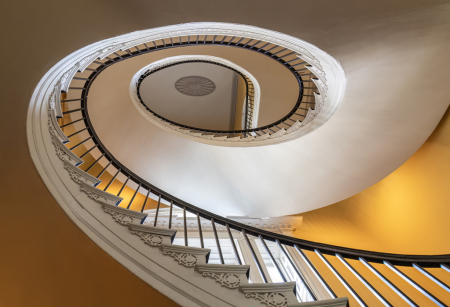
(183,58)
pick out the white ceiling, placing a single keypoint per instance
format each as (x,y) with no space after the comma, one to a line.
(396,94)
(214,111)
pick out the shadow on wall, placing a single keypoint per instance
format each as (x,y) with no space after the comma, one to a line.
(406,212)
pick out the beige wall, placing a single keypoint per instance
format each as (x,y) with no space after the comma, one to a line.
(407,212)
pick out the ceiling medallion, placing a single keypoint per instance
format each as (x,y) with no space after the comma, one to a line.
(195,86)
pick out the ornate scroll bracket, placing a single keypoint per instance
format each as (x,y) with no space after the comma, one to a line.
(230,276)
(54,127)
(123,216)
(79,175)
(54,101)
(186,255)
(231,281)
(153,236)
(272,295)
(150,239)
(183,259)
(99,195)
(64,153)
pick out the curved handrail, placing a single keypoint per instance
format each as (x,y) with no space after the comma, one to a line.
(249,95)
(269,129)
(389,259)
(371,256)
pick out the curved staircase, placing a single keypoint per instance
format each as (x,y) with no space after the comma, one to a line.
(150,249)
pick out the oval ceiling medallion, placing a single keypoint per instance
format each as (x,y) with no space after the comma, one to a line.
(195,86)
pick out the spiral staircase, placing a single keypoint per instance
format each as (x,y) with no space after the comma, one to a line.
(138,228)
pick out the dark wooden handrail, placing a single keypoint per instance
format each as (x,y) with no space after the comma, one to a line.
(428,261)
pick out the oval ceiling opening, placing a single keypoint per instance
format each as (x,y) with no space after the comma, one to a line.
(202,95)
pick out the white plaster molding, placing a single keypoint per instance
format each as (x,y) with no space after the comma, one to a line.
(337,302)
(271,294)
(185,58)
(100,196)
(186,255)
(64,153)
(230,276)
(79,175)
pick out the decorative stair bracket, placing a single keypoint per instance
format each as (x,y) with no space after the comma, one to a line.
(153,236)
(124,216)
(100,195)
(54,128)
(337,302)
(272,295)
(230,276)
(80,176)
(186,255)
(64,153)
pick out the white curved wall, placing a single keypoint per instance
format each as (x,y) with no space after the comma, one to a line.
(382,121)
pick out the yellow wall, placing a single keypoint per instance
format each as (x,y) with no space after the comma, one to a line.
(407,212)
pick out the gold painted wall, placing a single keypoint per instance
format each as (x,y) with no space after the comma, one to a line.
(407,212)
